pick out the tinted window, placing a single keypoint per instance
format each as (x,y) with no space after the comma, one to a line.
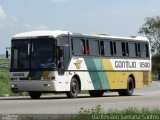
(124,49)
(118,48)
(20,54)
(107,48)
(63,40)
(132,49)
(144,50)
(77,46)
(102,47)
(33,53)
(94,47)
(147,50)
(43,54)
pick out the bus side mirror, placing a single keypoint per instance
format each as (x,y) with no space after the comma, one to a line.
(7,54)
(60,66)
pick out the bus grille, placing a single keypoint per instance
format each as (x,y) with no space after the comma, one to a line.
(30,78)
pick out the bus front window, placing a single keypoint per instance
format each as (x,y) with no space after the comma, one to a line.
(20,55)
(33,53)
(43,54)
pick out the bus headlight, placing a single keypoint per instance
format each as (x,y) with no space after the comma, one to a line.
(47,85)
(13,85)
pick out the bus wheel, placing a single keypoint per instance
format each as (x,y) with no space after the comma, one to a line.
(129,90)
(35,95)
(96,93)
(74,88)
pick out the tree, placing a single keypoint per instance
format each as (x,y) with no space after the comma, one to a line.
(151,29)
(156,64)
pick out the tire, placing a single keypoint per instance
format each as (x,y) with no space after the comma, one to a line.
(121,93)
(74,89)
(35,95)
(96,93)
(130,88)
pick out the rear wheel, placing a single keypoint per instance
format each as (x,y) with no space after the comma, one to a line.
(35,95)
(74,89)
(130,88)
(96,93)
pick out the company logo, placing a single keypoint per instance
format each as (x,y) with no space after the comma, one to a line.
(78,64)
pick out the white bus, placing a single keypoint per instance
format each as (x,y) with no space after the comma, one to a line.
(65,62)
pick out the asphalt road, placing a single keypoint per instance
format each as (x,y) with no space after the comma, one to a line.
(60,104)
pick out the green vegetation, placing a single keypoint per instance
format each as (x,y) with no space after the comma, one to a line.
(127,113)
(156,66)
(4,79)
(151,29)
(97,113)
(131,110)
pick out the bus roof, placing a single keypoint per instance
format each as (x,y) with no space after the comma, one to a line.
(55,33)
(33,34)
(118,37)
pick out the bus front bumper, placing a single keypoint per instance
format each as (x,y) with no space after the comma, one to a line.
(34,85)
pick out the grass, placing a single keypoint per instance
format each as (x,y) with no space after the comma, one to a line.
(4,79)
(127,113)
(97,113)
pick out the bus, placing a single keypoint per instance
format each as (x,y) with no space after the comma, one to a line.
(65,62)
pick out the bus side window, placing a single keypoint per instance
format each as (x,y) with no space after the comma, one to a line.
(127,49)
(147,50)
(114,48)
(77,47)
(138,49)
(102,47)
(132,49)
(85,47)
(94,47)
(111,47)
(108,48)
(118,49)
(123,48)
(143,50)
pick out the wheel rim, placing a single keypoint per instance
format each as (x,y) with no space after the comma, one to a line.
(74,88)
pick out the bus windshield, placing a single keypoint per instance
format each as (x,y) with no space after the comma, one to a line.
(33,53)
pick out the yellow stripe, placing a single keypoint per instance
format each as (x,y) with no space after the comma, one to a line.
(107,64)
(45,74)
(110,75)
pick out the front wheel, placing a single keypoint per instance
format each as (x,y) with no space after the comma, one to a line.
(130,88)
(35,95)
(74,89)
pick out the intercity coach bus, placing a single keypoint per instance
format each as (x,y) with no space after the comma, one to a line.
(65,62)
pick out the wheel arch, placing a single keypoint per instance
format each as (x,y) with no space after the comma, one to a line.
(132,76)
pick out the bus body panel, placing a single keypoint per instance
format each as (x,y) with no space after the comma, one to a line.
(94,74)
(103,76)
